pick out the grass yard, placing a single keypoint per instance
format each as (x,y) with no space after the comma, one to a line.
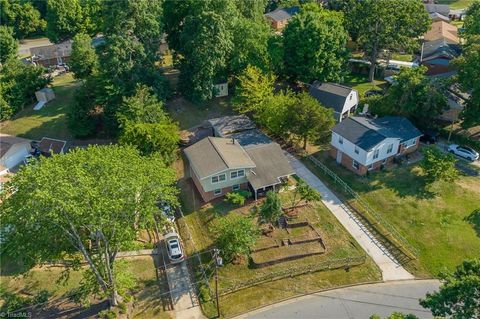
(402,57)
(50,121)
(433,217)
(362,85)
(456,4)
(339,243)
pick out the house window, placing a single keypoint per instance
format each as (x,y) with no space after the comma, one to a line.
(340,140)
(390,148)
(370,167)
(409,143)
(237,174)
(384,161)
(236,187)
(355,164)
(375,154)
(217,192)
(218,178)
(357,150)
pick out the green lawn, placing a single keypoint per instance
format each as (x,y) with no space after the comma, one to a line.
(50,121)
(431,217)
(456,4)
(402,57)
(362,85)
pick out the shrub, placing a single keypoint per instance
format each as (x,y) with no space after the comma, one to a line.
(271,209)
(237,197)
(107,314)
(437,165)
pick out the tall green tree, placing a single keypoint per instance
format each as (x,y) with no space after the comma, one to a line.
(103,195)
(83,60)
(459,294)
(437,165)
(468,65)
(206,45)
(23,17)
(315,45)
(235,235)
(251,9)
(8,44)
(253,91)
(415,96)
(82,115)
(379,25)
(304,192)
(309,120)
(471,24)
(271,209)
(64,19)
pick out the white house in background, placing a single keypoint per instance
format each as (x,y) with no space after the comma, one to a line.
(13,151)
(342,99)
(363,144)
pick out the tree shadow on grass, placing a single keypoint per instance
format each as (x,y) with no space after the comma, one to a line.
(405,182)
(474,220)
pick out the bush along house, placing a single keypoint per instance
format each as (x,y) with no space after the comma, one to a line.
(363,144)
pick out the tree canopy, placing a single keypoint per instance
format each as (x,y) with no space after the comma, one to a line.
(437,165)
(471,24)
(253,91)
(64,19)
(8,44)
(83,60)
(102,194)
(271,209)
(22,16)
(315,45)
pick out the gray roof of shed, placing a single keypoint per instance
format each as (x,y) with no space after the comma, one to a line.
(282,14)
(366,133)
(231,124)
(271,164)
(215,154)
(330,95)
(250,138)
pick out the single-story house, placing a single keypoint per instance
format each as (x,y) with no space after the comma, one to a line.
(442,30)
(218,166)
(13,151)
(48,146)
(52,54)
(437,54)
(363,144)
(278,18)
(342,99)
(443,9)
(435,16)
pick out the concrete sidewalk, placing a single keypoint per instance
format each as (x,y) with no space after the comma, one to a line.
(391,269)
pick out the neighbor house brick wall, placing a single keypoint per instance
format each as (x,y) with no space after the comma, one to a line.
(403,151)
(347,162)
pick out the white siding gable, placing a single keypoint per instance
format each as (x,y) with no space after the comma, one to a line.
(348,148)
(383,149)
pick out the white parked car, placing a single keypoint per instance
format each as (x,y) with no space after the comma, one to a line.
(463,151)
(174,247)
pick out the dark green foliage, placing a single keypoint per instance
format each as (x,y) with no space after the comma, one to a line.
(8,45)
(83,60)
(314,42)
(81,117)
(237,197)
(235,236)
(18,83)
(22,16)
(459,296)
(437,165)
(271,209)
(396,315)
(14,301)
(276,53)
(414,96)
(304,192)
(471,23)
(64,19)
(254,90)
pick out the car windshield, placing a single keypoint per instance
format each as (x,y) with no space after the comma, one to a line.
(174,245)
(468,149)
(176,256)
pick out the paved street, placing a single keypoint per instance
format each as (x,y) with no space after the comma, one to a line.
(390,268)
(354,302)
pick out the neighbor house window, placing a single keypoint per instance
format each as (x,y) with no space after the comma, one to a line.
(217,192)
(357,150)
(340,140)
(409,143)
(370,167)
(384,161)
(237,174)
(236,187)
(375,154)
(390,148)
(218,178)
(355,164)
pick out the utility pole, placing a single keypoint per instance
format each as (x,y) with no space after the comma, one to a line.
(218,263)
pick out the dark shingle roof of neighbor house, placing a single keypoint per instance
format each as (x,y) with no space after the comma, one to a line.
(63,49)
(366,132)
(282,14)
(215,154)
(231,124)
(271,164)
(443,9)
(330,95)
(437,16)
(440,48)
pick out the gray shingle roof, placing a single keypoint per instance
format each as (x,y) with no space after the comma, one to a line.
(440,48)
(443,9)
(231,124)
(250,138)
(271,164)
(366,133)
(282,14)
(330,95)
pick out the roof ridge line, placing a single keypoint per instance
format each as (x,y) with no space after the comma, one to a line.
(210,139)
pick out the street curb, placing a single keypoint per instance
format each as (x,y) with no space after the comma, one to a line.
(271,305)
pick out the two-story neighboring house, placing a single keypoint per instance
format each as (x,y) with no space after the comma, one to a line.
(279,18)
(342,99)
(363,144)
(221,165)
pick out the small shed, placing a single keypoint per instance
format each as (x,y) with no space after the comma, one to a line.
(49,146)
(43,96)
(221,89)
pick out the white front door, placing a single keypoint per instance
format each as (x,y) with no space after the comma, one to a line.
(339,156)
